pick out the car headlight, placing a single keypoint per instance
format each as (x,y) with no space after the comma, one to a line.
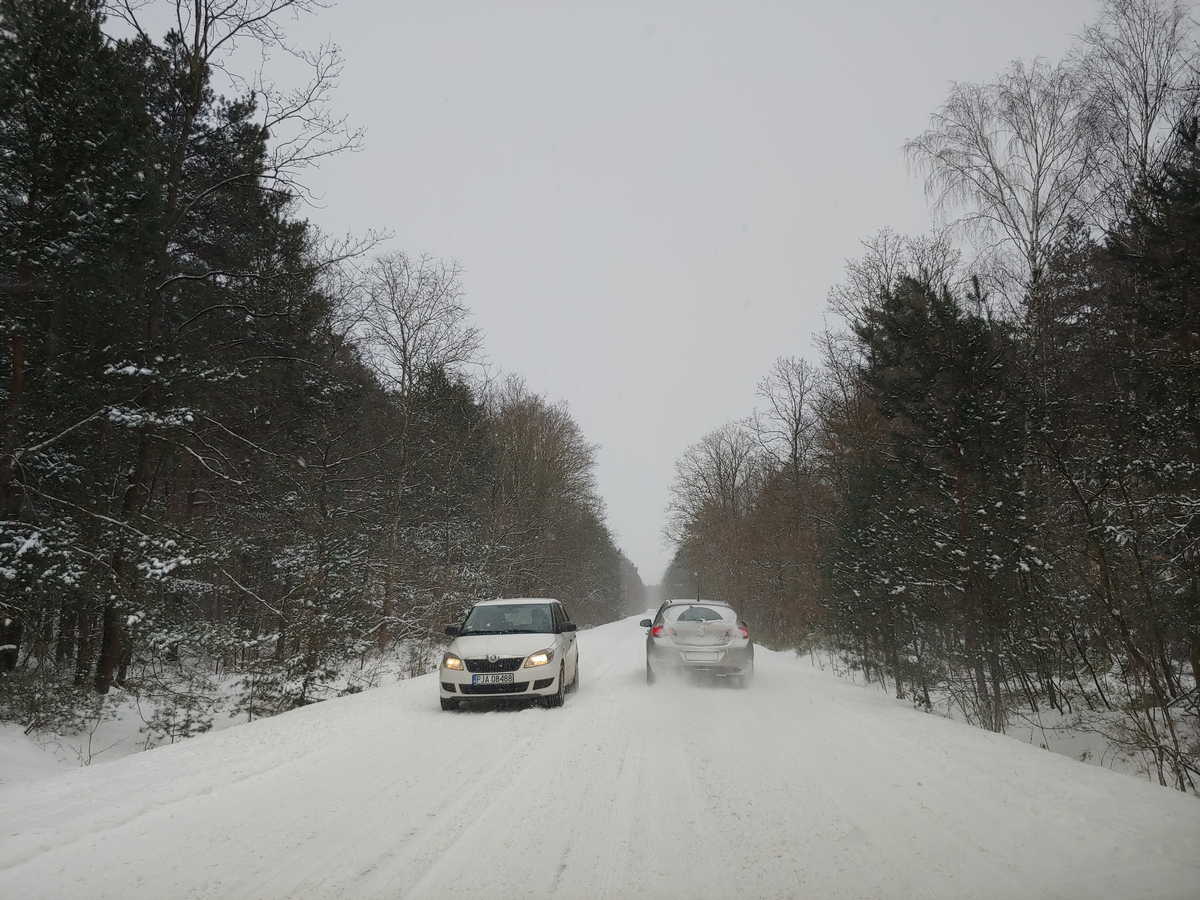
(450,661)
(541,658)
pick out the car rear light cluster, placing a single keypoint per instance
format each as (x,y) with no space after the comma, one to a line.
(745,631)
(656,631)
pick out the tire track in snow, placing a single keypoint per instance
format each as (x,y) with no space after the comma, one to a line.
(802,785)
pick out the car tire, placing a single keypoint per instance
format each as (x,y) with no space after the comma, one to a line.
(449,704)
(649,673)
(744,680)
(575,681)
(556,699)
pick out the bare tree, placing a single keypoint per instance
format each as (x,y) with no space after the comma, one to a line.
(413,317)
(786,429)
(714,475)
(888,257)
(1016,160)
(868,277)
(544,455)
(1140,66)
(543,482)
(303,127)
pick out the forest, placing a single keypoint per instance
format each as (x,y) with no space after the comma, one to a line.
(982,491)
(233,447)
(242,459)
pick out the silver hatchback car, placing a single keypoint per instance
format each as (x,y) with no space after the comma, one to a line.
(699,636)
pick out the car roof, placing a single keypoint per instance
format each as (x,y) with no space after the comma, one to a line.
(502,601)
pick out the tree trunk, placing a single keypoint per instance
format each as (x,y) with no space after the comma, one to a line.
(110,645)
(999,713)
(11,495)
(68,618)
(1195,654)
(11,631)
(83,647)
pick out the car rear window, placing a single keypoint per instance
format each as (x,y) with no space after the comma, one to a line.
(700,613)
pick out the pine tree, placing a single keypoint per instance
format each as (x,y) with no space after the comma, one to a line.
(945,382)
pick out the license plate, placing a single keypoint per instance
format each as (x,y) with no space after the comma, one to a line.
(504,678)
(702,657)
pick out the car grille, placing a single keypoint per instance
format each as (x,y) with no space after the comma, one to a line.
(504,664)
(517,688)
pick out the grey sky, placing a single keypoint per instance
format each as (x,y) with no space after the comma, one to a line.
(651,201)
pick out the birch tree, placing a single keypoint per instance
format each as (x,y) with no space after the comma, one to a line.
(1013,163)
(1139,68)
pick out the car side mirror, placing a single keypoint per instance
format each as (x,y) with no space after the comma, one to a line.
(453,630)
(566,627)
(645,623)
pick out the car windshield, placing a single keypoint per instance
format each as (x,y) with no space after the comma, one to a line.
(510,618)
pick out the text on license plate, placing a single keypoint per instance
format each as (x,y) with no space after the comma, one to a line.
(504,678)
(702,657)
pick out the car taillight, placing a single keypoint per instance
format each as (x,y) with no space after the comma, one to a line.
(745,631)
(656,631)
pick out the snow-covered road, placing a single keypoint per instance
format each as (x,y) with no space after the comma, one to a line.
(802,786)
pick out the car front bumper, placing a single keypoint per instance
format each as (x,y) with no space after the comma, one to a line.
(538,681)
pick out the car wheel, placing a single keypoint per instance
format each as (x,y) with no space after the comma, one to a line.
(649,673)
(556,699)
(744,680)
(449,704)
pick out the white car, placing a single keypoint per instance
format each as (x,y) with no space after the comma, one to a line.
(510,649)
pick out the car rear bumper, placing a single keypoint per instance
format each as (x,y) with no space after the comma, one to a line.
(536,682)
(717,660)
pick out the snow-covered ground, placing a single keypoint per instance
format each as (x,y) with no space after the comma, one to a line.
(121,723)
(802,786)
(1061,732)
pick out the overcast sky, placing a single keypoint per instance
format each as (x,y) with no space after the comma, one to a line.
(651,201)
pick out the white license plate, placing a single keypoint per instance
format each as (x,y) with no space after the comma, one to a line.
(503,678)
(702,657)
